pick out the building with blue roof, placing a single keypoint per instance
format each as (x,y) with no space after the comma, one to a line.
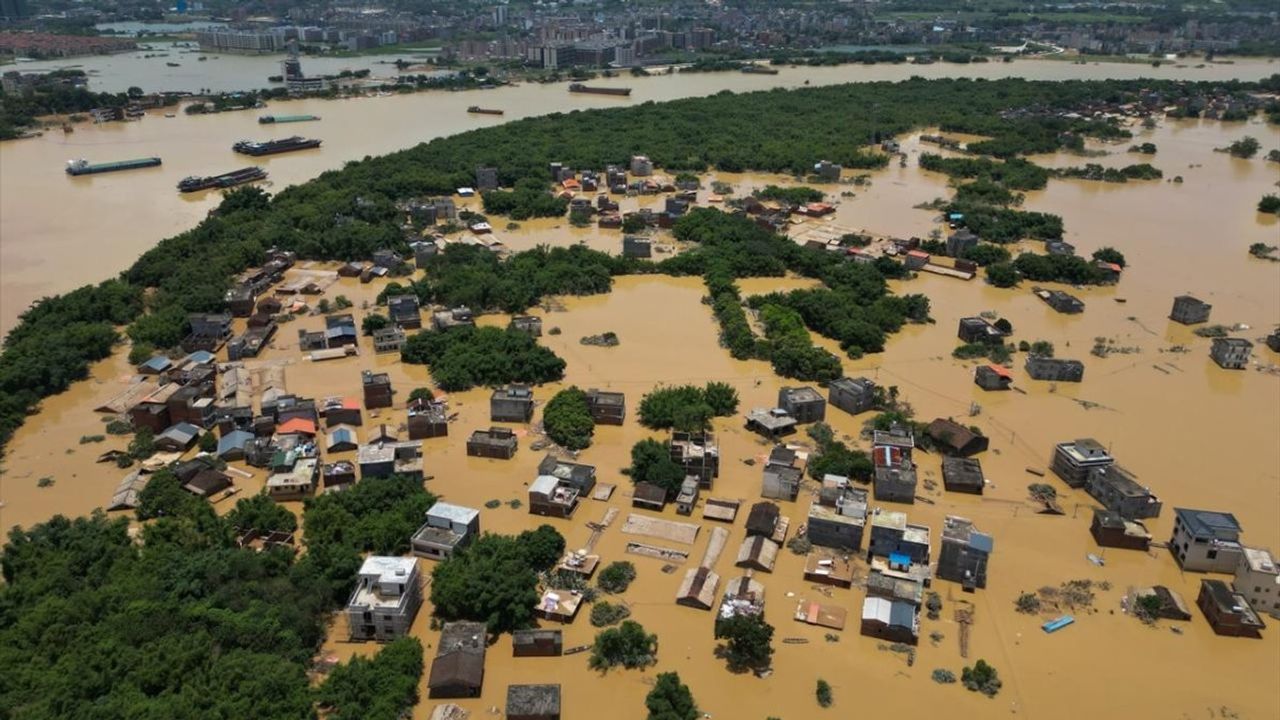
(1206,540)
(155,365)
(232,444)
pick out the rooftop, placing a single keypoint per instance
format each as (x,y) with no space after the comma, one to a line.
(1085,450)
(533,700)
(453,513)
(961,530)
(1208,523)
(1261,561)
(801,394)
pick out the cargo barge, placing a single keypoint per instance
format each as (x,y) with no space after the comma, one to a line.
(276,119)
(580,88)
(272,147)
(477,110)
(83,167)
(225,180)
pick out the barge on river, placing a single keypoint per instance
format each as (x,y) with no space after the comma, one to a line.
(273,147)
(84,167)
(580,88)
(277,119)
(477,110)
(225,180)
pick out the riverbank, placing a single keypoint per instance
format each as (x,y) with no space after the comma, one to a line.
(47,251)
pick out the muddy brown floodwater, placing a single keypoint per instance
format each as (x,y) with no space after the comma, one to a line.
(1198,435)
(58,233)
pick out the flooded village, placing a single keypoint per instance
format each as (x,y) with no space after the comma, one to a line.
(1114,496)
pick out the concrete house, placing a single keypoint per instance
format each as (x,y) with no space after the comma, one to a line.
(582,477)
(448,528)
(964,554)
(340,331)
(384,459)
(687,497)
(992,377)
(1109,529)
(963,475)
(177,438)
(377,389)
(1258,579)
(895,474)
(458,668)
(852,395)
(698,455)
(891,620)
(337,410)
(607,408)
(529,324)
(486,178)
(978,330)
(892,535)
(838,517)
(208,331)
(803,403)
(513,403)
(954,439)
(772,423)
(553,497)
(295,480)
(455,317)
(423,251)
(827,171)
(1189,311)
(537,643)
(648,496)
(337,476)
(404,311)
(387,596)
(1231,353)
(781,476)
(1227,611)
(637,246)
(1074,460)
(341,438)
(428,419)
(1206,541)
(1061,301)
(533,702)
(1117,489)
(497,443)
(1054,369)
(641,165)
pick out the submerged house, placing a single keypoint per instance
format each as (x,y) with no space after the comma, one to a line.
(1227,611)
(1118,489)
(782,475)
(386,599)
(607,408)
(992,377)
(1206,541)
(964,554)
(497,443)
(553,497)
(1054,369)
(1110,529)
(533,702)
(698,589)
(697,455)
(771,423)
(803,403)
(838,518)
(513,403)
(852,395)
(955,439)
(448,528)
(458,668)
(892,620)
(1074,460)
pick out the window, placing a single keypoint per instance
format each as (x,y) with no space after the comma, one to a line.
(1212,554)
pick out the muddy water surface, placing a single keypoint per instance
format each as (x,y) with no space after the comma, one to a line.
(1198,435)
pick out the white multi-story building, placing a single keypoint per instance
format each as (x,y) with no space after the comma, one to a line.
(1258,579)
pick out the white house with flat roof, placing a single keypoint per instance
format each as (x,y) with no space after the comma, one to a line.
(1258,579)
(386,598)
(448,528)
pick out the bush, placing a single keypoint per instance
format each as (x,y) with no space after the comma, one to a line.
(943,677)
(567,419)
(542,548)
(374,322)
(670,699)
(687,407)
(1245,147)
(823,693)
(1269,204)
(627,645)
(616,577)
(981,678)
(604,614)
(1002,274)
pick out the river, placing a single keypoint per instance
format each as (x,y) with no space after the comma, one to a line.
(1198,435)
(46,249)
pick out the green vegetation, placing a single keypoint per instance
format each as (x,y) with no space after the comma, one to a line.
(833,457)
(604,614)
(1259,250)
(54,94)
(981,678)
(986,254)
(151,610)
(651,463)
(1145,148)
(1269,204)
(347,214)
(823,693)
(986,192)
(687,407)
(377,688)
(567,419)
(1002,274)
(1109,254)
(670,699)
(995,352)
(942,676)
(1070,269)
(261,513)
(1094,171)
(1014,174)
(491,581)
(791,351)
(374,322)
(465,357)
(790,195)
(748,641)
(627,645)
(529,199)
(616,577)
(1246,147)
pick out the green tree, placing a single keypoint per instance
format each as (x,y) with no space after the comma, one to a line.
(542,547)
(823,693)
(421,394)
(1002,275)
(208,442)
(1109,254)
(1269,204)
(384,687)
(670,699)
(374,322)
(1245,147)
(627,645)
(491,582)
(981,678)
(616,577)
(721,397)
(567,419)
(633,223)
(262,513)
(143,444)
(748,641)
(651,462)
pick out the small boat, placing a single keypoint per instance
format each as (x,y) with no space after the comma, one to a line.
(1096,559)
(173,64)
(477,110)
(1057,623)
(169,115)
